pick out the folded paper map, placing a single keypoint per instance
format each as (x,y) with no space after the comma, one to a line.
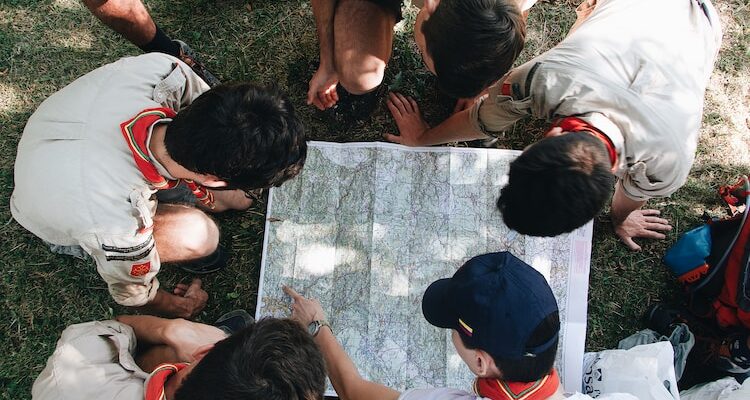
(366,227)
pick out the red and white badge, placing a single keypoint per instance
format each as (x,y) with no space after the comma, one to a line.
(140,269)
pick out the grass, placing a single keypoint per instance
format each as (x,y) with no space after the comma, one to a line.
(45,44)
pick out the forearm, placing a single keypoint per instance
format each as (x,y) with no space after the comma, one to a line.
(324,10)
(344,375)
(147,328)
(622,205)
(167,304)
(454,129)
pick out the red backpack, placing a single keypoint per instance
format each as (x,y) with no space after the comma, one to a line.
(713,262)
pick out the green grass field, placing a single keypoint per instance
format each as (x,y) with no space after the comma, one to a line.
(45,44)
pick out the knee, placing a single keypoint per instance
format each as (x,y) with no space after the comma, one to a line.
(199,234)
(363,77)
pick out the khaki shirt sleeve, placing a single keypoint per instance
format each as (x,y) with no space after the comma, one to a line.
(496,112)
(129,264)
(92,360)
(646,180)
(180,87)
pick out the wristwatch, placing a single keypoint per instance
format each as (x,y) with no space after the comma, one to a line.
(315,326)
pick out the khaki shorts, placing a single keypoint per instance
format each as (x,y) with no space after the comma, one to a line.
(181,194)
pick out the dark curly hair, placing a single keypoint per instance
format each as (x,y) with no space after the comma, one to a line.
(273,359)
(244,134)
(557,185)
(473,43)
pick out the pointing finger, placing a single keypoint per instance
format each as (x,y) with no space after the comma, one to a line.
(291,293)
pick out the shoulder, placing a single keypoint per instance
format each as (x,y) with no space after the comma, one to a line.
(517,83)
(101,351)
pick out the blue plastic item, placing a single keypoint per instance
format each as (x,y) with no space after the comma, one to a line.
(690,252)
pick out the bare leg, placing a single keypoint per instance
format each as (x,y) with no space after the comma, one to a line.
(129,18)
(184,233)
(363,37)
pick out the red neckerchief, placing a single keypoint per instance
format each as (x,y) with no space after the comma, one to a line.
(135,131)
(497,389)
(574,124)
(157,380)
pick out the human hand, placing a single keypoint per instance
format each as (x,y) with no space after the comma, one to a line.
(304,310)
(641,223)
(408,118)
(191,299)
(322,90)
(186,338)
(229,200)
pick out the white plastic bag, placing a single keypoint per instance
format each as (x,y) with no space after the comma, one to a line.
(723,389)
(645,371)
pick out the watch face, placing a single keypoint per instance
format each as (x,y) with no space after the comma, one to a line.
(313,327)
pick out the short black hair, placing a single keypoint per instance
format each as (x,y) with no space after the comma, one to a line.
(532,368)
(557,185)
(473,43)
(244,134)
(273,359)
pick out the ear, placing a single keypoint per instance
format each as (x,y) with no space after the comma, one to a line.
(431,5)
(212,181)
(485,364)
(201,352)
(556,131)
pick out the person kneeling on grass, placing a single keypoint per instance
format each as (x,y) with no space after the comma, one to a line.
(111,166)
(146,357)
(625,99)
(505,326)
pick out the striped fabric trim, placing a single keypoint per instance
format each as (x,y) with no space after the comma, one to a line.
(129,132)
(465,327)
(158,378)
(525,394)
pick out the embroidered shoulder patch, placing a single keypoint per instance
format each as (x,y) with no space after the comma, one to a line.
(140,269)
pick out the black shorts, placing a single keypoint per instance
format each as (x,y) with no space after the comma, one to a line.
(392,6)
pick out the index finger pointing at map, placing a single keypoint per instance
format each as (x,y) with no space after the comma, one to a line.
(292,293)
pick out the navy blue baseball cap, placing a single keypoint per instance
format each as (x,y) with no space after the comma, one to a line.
(495,301)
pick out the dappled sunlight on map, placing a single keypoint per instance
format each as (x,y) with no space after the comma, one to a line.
(366,227)
(542,264)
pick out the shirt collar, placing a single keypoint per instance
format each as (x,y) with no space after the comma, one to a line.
(609,129)
(159,167)
(155,383)
(497,389)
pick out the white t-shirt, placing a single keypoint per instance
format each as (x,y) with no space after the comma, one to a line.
(455,394)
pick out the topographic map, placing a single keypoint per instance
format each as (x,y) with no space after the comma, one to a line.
(366,227)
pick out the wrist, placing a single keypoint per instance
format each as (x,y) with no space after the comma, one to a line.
(315,327)
(326,64)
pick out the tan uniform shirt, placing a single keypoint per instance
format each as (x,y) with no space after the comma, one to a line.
(635,69)
(76,182)
(92,361)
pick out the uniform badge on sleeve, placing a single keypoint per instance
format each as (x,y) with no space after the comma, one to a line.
(140,269)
